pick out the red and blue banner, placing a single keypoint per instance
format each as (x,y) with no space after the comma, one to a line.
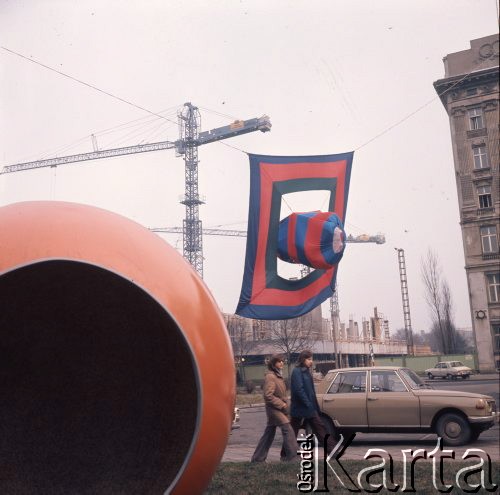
(264,294)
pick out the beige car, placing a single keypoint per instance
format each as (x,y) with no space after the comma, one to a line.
(449,369)
(395,400)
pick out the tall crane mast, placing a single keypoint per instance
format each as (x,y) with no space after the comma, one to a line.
(335,321)
(189,124)
(190,138)
(406,299)
(334,305)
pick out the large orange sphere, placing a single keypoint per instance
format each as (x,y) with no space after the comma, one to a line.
(116,368)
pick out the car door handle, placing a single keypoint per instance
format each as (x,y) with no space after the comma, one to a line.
(329,399)
(372,398)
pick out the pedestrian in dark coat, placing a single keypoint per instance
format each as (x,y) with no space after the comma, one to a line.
(305,408)
(277,414)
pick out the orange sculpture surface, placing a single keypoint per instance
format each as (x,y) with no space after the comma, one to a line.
(118,370)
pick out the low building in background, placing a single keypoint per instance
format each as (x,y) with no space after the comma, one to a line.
(353,345)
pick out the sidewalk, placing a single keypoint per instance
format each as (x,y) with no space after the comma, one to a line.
(475,376)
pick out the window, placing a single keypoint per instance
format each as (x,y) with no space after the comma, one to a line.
(411,378)
(496,336)
(494,286)
(347,383)
(489,239)
(386,381)
(476,119)
(484,195)
(480,156)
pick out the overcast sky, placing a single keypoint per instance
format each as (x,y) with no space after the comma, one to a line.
(332,75)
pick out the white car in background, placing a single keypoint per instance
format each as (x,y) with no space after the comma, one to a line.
(449,369)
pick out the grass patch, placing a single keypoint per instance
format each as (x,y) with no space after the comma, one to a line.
(244,478)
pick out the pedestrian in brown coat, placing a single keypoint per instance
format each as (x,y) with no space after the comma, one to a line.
(277,410)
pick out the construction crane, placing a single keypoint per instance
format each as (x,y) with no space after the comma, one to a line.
(377,239)
(363,238)
(190,138)
(335,319)
(406,299)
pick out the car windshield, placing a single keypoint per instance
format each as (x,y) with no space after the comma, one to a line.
(455,364)
(411,378)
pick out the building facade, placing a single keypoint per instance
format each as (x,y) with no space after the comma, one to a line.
(469,92)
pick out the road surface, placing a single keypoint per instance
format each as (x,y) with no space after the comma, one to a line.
(253,420)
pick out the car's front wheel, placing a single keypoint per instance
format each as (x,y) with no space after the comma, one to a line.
(454,429)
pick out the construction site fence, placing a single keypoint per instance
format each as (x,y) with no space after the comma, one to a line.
(418,364)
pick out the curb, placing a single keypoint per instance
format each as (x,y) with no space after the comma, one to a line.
(248,406)
(472,378)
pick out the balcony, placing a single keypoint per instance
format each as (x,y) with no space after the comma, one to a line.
(482,212)
(475,133)
(491,256)
(481,173)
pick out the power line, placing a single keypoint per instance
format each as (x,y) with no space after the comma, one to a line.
(385,131)
(107,93)
(86,84)
(227,224)
(234,147)
(134,122)
(232,117)
(136,133)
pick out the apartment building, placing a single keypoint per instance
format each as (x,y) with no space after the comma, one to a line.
(469,92)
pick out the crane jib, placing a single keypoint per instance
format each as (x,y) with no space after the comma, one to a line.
(237,128)
(94,155)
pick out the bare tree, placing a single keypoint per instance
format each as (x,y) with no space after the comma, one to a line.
(431,276)
(400,334)
(242,344)
(448,323)
(433,340)
(439,300)
(293,336)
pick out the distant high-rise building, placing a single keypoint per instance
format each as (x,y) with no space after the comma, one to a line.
(469,92)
